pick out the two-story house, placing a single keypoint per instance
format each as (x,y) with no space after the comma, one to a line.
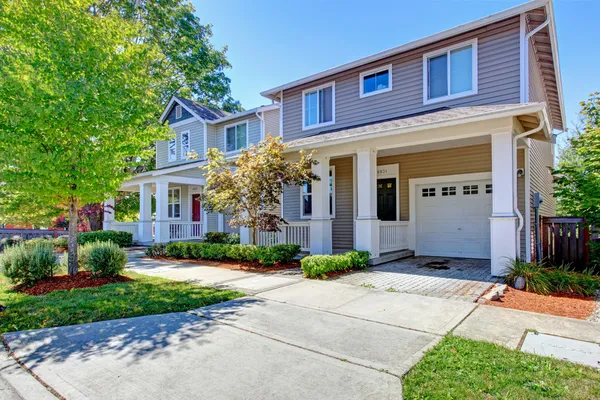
(436,146)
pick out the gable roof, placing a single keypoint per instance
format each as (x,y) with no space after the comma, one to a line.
(205,112)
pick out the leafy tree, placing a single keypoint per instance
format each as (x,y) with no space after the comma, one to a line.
(250,187)
(77,99)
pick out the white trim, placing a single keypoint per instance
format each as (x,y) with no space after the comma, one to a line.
(221,223)
(332,191)
(191,208)
(316,89)
(396,175)
(183,123)
(173,208)
(281,115)
(527,167)
(243,114)
(235,124)
(524,60)
(163,116)
(178,111)
(205,138)
(362,76)
(184,154)
(171,157)
(447,50)
(412,201)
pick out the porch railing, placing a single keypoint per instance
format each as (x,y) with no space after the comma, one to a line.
(131,227)
(393,235)
(294,233)
(185,230)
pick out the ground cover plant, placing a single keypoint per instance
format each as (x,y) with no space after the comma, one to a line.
(318,266)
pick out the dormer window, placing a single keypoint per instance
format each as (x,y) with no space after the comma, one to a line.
(178,112)
(450,73)
(376,81)
(318,106)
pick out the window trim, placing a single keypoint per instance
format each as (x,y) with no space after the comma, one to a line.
(171,158)
(168,203)
(183,153)
(371,72)
(447,50)
(178,111)
(247,122)
(316,89)
(302,194)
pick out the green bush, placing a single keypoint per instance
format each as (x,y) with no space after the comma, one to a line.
(222,237)
(25,264)
(157,250)
(62,241)
(106,259)
(317,266)
(238,252)
(283,253)
(122,239)
(535,279)
(10,241)
(245,252)
(83,255)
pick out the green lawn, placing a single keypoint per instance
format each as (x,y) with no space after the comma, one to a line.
(465,369)
(144,296)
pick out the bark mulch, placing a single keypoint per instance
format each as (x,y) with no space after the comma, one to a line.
(82,280)
(562,305)
(239,265)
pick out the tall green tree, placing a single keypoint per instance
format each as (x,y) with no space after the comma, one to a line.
(249,188)
(77,100)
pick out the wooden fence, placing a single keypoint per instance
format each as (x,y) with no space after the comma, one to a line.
(31,233)
(564,241)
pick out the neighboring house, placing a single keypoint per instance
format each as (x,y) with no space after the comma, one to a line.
(435,146)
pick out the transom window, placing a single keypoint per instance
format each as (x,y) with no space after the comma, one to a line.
(428,192)
(449,191)
(450,73)
(172,152)
(185,143)
(470,189)
(177,112)
(306,196)
(376,81)
(318,106)
(174,203)
(236,137)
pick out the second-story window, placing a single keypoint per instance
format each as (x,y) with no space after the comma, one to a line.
(376,81)
(450,73)
(185,143)
(236,136)
(172,152)
(177,112)
(318,106)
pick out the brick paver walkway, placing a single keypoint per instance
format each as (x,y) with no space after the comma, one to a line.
(451,278)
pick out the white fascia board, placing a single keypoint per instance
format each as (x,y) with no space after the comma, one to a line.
(556,60)
(173,100)
(272,93)
(243,114)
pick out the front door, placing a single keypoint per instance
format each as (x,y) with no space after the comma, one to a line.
(386,199)
(196,208)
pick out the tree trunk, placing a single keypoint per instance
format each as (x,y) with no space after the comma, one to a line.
(254,235)
(72,255)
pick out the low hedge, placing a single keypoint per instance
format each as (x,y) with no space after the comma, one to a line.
(123,239)
(222,237)
(283,253)
(317,266)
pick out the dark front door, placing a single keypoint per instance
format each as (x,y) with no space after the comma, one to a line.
(386,199)
(196,208)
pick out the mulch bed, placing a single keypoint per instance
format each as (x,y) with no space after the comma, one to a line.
(562,305)
(238,265)
(82,280)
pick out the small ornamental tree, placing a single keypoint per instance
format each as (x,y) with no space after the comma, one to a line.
(250,187)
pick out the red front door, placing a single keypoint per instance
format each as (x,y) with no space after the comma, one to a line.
(196,208)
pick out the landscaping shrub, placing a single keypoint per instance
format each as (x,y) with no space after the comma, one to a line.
(222,237)
(535,279)
(83,255)
(106,259)
(62,241)
(245,252)
(238,252)
(157,250)
(10,241)
(122,239)
(317,266)
(25,264)
(283,253)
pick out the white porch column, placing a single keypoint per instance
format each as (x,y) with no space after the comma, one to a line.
(367,223)
(503,220)
(161,229)
(145,225)
(109,214)
(320,222)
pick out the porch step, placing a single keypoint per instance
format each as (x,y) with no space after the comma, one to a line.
(391,256)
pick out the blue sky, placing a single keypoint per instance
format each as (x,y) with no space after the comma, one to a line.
(273,42)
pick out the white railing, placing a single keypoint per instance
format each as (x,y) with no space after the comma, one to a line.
(185,230)
(293,233)
(393,235)
(131,227)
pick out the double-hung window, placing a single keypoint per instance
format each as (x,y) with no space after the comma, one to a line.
(174,203)
(185,144)
(171,149)
(236,136)
(376,81)
(318,106)
(306,196)
(450,73)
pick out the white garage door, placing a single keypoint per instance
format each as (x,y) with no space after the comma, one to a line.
(453,219)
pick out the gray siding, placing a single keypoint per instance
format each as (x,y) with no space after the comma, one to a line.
(521,198)
(499,83)
(227,228)
(540,159)
(536,85)
(190,173)
(272,123)
(185,114)
(218,131)
(196,129)
(212,222)
(343,223)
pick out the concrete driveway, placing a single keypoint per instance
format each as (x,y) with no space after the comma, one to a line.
(309,340)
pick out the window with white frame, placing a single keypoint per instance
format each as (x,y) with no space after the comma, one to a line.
(318,106)
(450,73)
(172,151)
(174,203)
(178,112)
(376,81)
(236,136)
(185,143)
(306,196)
